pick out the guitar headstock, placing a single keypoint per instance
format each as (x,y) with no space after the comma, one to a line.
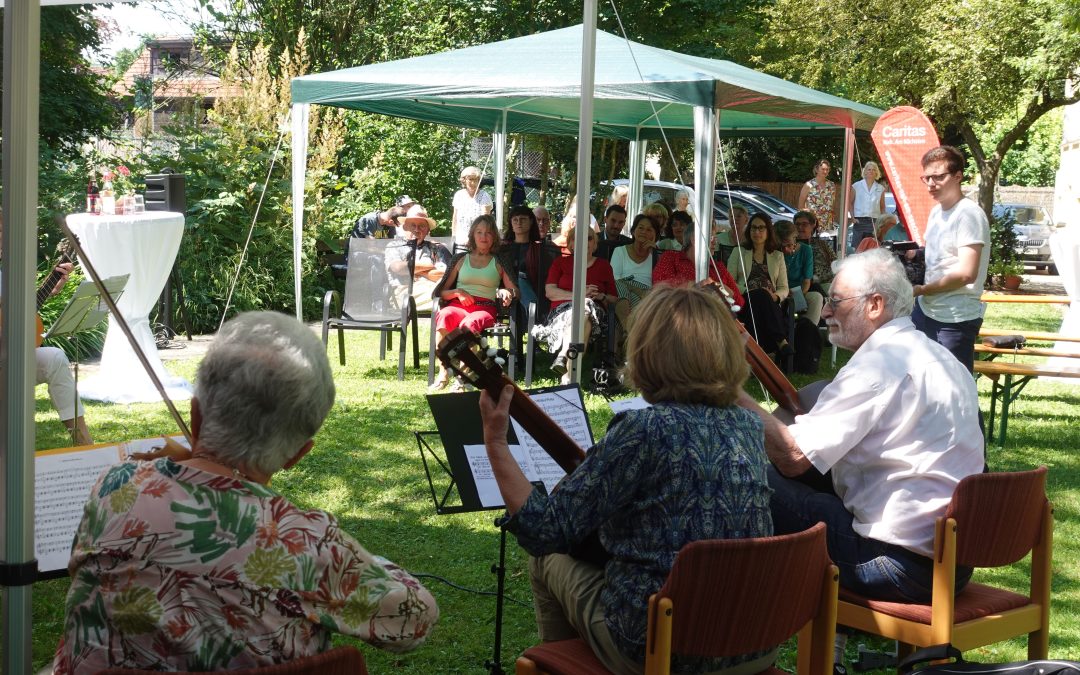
(724,293)
(468,357)
(66,251)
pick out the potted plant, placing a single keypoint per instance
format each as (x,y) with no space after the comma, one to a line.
(1005,264)
(1006,272)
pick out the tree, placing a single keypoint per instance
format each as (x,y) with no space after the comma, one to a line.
(969,65)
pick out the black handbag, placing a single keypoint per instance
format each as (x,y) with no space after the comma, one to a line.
(921,660)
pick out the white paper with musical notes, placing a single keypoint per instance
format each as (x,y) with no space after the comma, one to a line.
(62,483)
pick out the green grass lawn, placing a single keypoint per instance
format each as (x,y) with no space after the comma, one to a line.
(366,469)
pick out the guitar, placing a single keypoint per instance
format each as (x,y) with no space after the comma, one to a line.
(46,289)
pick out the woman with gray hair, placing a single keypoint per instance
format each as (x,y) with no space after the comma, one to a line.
(192,562)
(866,202)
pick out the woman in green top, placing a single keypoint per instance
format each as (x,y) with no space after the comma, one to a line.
(471,292)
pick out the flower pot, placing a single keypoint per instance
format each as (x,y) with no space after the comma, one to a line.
(1011,281)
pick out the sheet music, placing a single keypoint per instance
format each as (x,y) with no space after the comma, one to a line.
(486,486)
(62,483)
(636,403)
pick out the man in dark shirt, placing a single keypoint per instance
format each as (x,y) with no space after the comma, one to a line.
(612,237)
(382,224)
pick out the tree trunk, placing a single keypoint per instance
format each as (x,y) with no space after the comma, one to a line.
(545,169)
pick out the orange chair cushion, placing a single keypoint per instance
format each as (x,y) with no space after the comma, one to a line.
(566,657)
(974,602)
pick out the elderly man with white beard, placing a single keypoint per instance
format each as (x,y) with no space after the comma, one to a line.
(893,434)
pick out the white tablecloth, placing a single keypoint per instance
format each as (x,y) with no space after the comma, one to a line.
(144,246)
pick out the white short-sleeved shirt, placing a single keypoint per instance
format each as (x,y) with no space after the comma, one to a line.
(624,266)
(467,209)
(898,427)
(964,224)
(867,202)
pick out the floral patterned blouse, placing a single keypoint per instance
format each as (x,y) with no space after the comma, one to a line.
(819,200)
(174,568)
(661,478)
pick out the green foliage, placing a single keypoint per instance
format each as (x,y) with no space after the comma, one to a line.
(1035,157)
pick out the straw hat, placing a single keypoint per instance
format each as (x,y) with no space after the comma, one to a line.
(416,214)
(404,201)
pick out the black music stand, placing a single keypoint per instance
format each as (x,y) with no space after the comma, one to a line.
(453,489)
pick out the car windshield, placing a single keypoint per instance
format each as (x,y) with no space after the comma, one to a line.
(1024,214)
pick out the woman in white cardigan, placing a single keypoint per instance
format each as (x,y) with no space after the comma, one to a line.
(759,270)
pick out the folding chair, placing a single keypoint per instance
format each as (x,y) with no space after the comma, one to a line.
(994,519)
(725,598)
(369,304)
(338,661)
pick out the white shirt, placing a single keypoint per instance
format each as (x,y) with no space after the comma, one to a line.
(623,266)
(867,199)
(899,428)
(466,209)
(964,224)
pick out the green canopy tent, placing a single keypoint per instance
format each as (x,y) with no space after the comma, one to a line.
(532,85)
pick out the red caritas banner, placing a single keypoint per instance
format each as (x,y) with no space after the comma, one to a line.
(902,136)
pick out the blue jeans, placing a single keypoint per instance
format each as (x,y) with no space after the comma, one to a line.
(959,338)
(867,566)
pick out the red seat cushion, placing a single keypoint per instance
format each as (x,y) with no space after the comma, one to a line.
(975,601)
(566,657)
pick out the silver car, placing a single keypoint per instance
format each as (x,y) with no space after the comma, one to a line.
(1033,228)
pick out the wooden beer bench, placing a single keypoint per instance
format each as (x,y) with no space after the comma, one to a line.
(1032,336)
(1029,299)
(1008,382)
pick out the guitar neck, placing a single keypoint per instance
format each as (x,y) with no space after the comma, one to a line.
(50,282)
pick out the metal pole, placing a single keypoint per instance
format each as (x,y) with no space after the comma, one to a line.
(299,169)
(498,138)
(706,128)
(22,39)
(637,176)
(584,173)
(845,188)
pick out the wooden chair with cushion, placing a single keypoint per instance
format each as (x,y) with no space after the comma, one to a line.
(994,519)
(338,661)
(728,597)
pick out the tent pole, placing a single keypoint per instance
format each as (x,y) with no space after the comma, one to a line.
(845,189)
(498,137)
(706,139)
(634,200)
(584,175)
(299,168)
(22,40)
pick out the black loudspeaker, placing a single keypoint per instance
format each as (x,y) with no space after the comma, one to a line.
(165,192)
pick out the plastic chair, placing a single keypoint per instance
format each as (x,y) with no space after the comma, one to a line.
(337,661)
(714,604)
(369,304)
(994,519)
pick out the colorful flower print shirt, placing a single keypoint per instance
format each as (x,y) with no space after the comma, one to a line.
(174,568)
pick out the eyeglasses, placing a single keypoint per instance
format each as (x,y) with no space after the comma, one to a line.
(470,179)
(759,228)
(832,302)
(936,179)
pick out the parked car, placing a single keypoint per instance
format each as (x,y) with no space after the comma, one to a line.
(771,202)
(755,203)
(1033,229)
(663,192)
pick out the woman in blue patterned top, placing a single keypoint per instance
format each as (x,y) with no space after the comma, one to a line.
(690,467)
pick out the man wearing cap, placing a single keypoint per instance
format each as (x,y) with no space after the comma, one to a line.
(381,224)
(415,258)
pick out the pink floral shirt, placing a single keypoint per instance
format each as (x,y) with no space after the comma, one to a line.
(174,568)
(819,201)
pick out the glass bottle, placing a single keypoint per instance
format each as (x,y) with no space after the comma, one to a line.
(91,195)
(108,196)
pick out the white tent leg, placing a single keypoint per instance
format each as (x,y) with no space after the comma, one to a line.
(299,169)
(635,200)
(498,138)
(845,189)
(706,140)
(22,39)
(584,173)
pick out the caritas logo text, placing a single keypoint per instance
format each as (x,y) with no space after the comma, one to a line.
(905,135)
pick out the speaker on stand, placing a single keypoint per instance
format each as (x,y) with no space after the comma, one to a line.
(165,192)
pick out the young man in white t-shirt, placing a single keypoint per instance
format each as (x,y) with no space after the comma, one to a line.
(948,308)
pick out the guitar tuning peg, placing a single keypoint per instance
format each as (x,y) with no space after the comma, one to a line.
(491,351)
(501,361)
(483,343)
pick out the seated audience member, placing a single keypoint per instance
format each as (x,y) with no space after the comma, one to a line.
(643,487)
(381,224)
(799,260)
(727,237)
(520,251)
(619,195)
(678,268)
(759,270)
(632,264)
(611,236)
(677,223)
(543,221)
(600,296)
(683,204)
(415,261)
(824,253)
(888,228)
(473,288)
(196,563)
(657,213)
(893,433)
(53,368)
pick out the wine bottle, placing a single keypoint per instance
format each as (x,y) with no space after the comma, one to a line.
(91,195)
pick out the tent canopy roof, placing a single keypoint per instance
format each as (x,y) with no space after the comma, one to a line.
(536,81)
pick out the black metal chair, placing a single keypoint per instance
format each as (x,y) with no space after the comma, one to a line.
(370,304)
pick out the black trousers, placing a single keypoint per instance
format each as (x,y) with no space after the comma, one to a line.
(763,318)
